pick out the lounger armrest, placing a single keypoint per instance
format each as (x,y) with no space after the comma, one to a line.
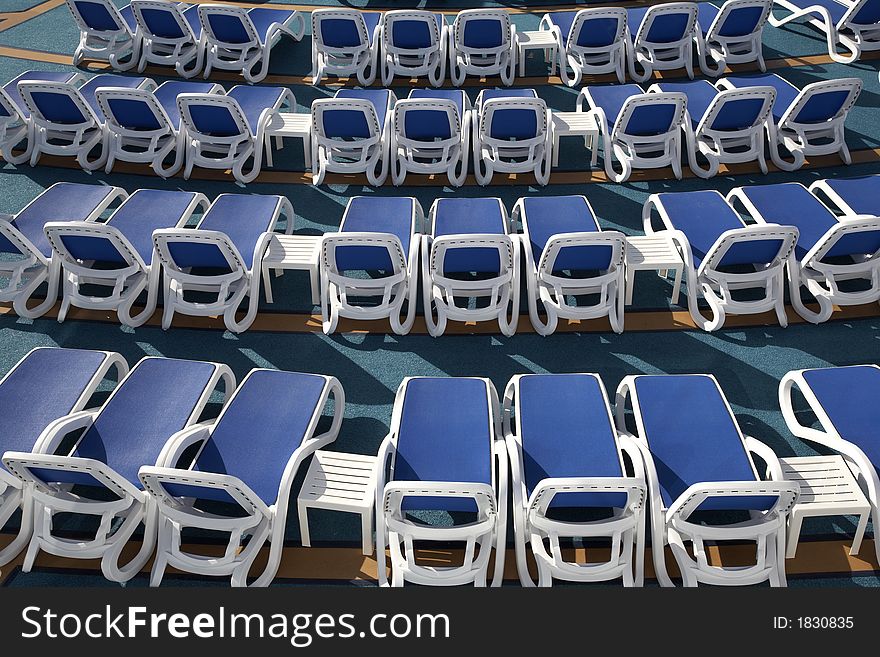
(691,499)
(483,496)
(52,435)
(774,469)
(6,217)
(181,441)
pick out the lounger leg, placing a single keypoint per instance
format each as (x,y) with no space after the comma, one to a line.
(267,284)
(303,515)
(26,503)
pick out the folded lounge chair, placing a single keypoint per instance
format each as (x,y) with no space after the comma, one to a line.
(45,385)
(470,265)
(731,34)
(723,256)
(638,129)
(511,134)
(414,44)
(855,25)
(170,35)
(850,195)
(482,42)
(567,255)
(809,121)
(662,38)
(588,42)
(246,463)
(228,131)
(431,135)
(98,476)
(345,42)
(724,127)
(434,460)
(844,401)
(118,256)
(67,120)
(837,260)
(105,32)
(565,454)
(698,463)
(28,260)
(239,39)
(378,236)
(223,256)
(351,133)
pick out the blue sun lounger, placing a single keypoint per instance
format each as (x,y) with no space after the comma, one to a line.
(455,463)
(724,127)
(247,461)
(723,256)
(469,255)
(698,463)
(99,475)
(378,235)
(565,453)
(222,256)
(414,44)
(854,25)
(117,256)
(226,131)
(22,237)
(170,35)
(830,252)
(67,120)
(850,195)
(588,42)
(638,129)
(345,42)
(105,33)
(844,401)
(662,38)
(567,254)
(45,385)
(482,42)
(731,34)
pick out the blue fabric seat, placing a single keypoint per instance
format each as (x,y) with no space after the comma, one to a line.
(700,94)
(469,216)
(545,216)
(343,33)
(368,214)
(99,19)
(612,97)
(436,445)
(11,87)
(492,94)
(737,114)
(161,24)
(263,17)
(413,34)
(594,33)
(483,33)
(740,22)
(253,100)
(861,194)
(818,109)
(666,28)
(378,97)
(107,80)
(168,91)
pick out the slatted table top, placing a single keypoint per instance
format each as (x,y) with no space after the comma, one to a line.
(339,481)
(827,485)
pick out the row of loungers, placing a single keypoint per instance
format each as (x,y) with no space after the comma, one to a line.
(825,239)
(554,438)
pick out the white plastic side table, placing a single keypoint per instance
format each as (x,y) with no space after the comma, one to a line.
(288,124)
(536,40)
(293,252)
(575,124)
(652,252)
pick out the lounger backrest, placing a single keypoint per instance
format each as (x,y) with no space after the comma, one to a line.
(434,444)
(739,109)
(392,219)
(824,101)
(863,13)
(339,30)
(228,24)
(427,120)
(481,31)
(761,246)
(667,23)
(97,16)
(739,18)
(213,115)
(133,109)
(56,103)
(597,27)
(410,31)
(848,397)
(513,119)
(9,111)
(162,19)
(471,216)
(650,115)
(854,237)
(346,119)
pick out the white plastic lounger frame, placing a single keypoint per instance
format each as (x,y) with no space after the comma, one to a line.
(666,55)
(520,155)
(185,53)
(133,506)
(449,156)
(439,292)
(361,60)
(370,155)
(551,290)
(251,58)
(242,280)
(716,50)
(717,286)
(125,283)
(828,436)
(672,526)
(626,528)
(822,279)
(391,291)
(429,61)
(26,274)
(575,60)
(146,146)
(261,523)
(215,152)
(852,37)
(14,494)
(465,60)
(112,45)
(632,150)
(483,536)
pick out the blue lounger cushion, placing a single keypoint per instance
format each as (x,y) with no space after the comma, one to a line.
(469,216)
(546,216)
(436,445)
(264,17)
(229,28)
(99,19)
(861,194)
(737,114)
(818,109)
(455,95)
(258,431)
(253,100)
(566,431)
(413,34)
(594,33)
(107,80)
(512,123)
(848,396)
(492,94)
(167,93)
(430,124)
(61,202)
(645,121)
(703,216)
(343,33)
(162,24)
(61,109)
(11,87)
(483,33)
(42,388)
(374,214)
(352,124)
(694,439)
(156,400)
(739,22)
(666,28)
